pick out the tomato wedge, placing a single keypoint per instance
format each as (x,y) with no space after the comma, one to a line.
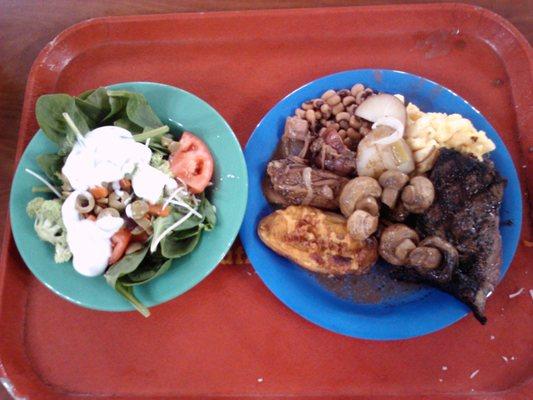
(119,241)
(192,163)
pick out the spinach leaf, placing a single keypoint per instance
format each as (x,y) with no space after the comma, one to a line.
(49,112)
(51,164)
(187,233)
(134,111)
(127,293)
(94,104)
(127,124)
(117,107)
(140,112)
(152,266)
(174,247)
(209,212)
(127,264)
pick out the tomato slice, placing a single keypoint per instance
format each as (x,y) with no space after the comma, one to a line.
(119,241)
(192,163)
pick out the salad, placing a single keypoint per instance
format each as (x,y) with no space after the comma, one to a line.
(129,196)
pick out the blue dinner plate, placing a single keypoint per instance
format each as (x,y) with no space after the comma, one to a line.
(415,313)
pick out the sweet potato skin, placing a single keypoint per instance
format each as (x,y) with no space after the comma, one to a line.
(317,240)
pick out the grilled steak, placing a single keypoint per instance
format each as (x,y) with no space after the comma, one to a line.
(292,181)
(468,195)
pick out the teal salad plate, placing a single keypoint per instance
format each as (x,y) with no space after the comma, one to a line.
(181,111)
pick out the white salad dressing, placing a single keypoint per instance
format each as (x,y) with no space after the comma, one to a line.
(106,154)
(89,241)
(148,182)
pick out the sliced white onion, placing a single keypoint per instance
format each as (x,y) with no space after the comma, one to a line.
(306,175)
(382,105)
(392,123)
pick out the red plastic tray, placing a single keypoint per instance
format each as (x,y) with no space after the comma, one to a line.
(229,336)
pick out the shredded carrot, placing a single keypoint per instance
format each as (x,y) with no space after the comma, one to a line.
(99,192)
(157,209)
(125,184)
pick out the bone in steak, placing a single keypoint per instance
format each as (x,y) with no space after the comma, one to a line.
(465,213)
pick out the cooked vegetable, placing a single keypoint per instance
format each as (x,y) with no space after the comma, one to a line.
(382,105)
(317,240)
(396,242)
(120,241)
(418,196)
(49,225)
(392,182)
(373,159)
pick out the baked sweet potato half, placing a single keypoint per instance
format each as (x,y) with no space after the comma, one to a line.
(317,240)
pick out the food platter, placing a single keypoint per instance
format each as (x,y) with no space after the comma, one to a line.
(402,316)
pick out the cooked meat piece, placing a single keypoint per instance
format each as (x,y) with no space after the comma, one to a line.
(296,138)
(468,195)
(292,181)
(329,152)
(317,240)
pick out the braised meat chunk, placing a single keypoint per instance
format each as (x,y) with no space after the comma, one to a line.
(292,181)
(468,195)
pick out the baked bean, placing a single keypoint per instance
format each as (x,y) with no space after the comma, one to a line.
(342,115)
(337,109)
(328,94)
(333,100)
(343,93)
(358,87)
(348,100)
(310,116)
(317,103)
(351,108)
(344,124)
(359,97)
(307,105)
(300,113)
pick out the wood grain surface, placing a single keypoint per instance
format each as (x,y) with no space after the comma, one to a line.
(26,26)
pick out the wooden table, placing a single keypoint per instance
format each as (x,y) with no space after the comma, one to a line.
(26,26)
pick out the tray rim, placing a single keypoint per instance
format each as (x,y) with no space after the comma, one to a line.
(513,392)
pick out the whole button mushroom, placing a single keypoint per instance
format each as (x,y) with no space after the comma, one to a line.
(434,259)
(356,190)
(392,183)
(396,242)
(361,224)
(418,195)
(358,203)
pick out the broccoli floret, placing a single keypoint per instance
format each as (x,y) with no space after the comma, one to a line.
(158,161)
(62,253)
(34,206)
(49,225)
